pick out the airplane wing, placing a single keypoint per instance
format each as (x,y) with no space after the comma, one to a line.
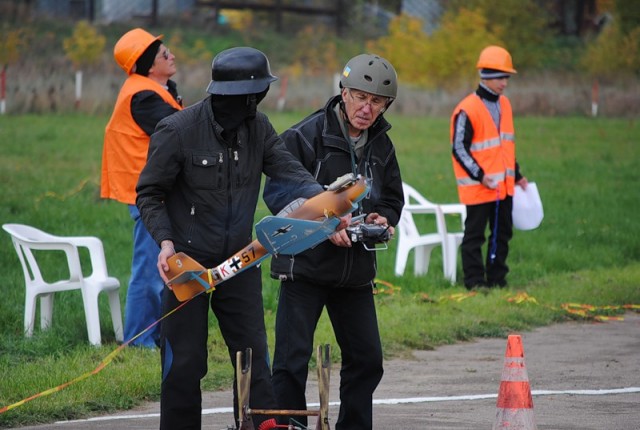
(281,235)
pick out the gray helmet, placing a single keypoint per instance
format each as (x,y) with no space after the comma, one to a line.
(372,74)
(238,71)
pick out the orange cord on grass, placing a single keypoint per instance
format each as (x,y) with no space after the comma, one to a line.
(104,363)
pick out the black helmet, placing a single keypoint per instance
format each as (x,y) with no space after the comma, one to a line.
(238,71)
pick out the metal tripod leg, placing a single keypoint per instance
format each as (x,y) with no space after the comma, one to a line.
(243,375)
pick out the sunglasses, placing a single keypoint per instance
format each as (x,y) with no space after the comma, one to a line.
(165,54)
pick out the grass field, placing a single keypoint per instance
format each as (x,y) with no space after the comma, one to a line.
(587,252)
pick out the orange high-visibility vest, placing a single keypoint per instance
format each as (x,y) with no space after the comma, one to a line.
(126,144)
(493,150)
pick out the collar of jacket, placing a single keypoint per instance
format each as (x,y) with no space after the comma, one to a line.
(484,93)
(332,129)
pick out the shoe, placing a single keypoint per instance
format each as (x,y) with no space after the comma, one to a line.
(500,284)
(475,286)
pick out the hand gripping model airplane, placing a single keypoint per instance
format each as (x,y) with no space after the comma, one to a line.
(300,226)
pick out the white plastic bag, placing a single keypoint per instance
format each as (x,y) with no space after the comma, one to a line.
(527,207)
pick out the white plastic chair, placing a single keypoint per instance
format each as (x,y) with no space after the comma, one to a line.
(25,239)
(409,236)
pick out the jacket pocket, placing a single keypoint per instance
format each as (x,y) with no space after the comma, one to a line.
(204,172)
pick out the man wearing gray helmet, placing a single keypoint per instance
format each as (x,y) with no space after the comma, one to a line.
(348,135)
(198,194)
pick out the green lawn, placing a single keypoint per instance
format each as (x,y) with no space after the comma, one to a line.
(586,252)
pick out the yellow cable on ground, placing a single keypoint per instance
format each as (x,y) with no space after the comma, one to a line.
(104,363)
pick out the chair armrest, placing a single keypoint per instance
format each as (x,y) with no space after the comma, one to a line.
(58,244)
(455,209)
(420,209)
(96,253)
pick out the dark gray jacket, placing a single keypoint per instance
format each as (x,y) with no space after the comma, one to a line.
(318,142)
(201,192)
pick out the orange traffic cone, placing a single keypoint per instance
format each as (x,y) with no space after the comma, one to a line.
(515,405)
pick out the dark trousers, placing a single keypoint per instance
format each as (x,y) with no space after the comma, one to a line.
(237,305)
(479,272)
(353,317)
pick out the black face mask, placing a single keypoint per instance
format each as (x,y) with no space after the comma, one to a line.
(231,111)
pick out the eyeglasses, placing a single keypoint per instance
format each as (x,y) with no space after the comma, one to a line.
(165,54)
(362,99)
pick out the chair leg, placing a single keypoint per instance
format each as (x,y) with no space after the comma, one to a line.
(421,261)
(116,315)
(46,310)
(450,259)
(92,315)
(30,303)
(402,254)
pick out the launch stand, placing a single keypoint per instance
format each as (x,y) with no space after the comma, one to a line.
(243,371)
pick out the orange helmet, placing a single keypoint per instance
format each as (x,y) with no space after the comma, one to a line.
(496,58)
(131,46)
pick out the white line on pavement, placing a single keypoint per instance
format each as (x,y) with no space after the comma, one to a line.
(213,411)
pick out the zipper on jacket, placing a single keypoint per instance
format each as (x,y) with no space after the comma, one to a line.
(236,158)
(192,222)
(220,177)
(227,222)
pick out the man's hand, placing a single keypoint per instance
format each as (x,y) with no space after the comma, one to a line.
(344,222)
(376,218)
(523,183)
(488,182)
(166,251)
(341,238)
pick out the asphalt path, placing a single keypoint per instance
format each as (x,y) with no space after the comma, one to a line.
(582,376)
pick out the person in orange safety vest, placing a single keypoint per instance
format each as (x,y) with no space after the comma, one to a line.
(146,97)
(485,167)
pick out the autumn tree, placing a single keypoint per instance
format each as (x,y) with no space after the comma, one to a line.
(11,42)
(83,48)
(447,57)
(444,59)
(616,50)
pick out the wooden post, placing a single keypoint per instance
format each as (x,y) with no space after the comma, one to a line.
(278,11)
(282,97)
(154,12)
(78,88)
(595,96)
(3,89)
(339,13)
(243,376)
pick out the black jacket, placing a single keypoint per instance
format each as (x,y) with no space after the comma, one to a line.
(318,142)
(148,108)
(201,192)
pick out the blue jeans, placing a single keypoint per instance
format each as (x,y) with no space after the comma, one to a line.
(144,296)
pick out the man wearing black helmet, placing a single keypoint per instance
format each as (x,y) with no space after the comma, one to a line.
(348,135)
(198,194)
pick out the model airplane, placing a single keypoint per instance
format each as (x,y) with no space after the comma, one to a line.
(302,225)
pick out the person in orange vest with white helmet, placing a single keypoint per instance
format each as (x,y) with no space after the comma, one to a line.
(485,167)
(147,96)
